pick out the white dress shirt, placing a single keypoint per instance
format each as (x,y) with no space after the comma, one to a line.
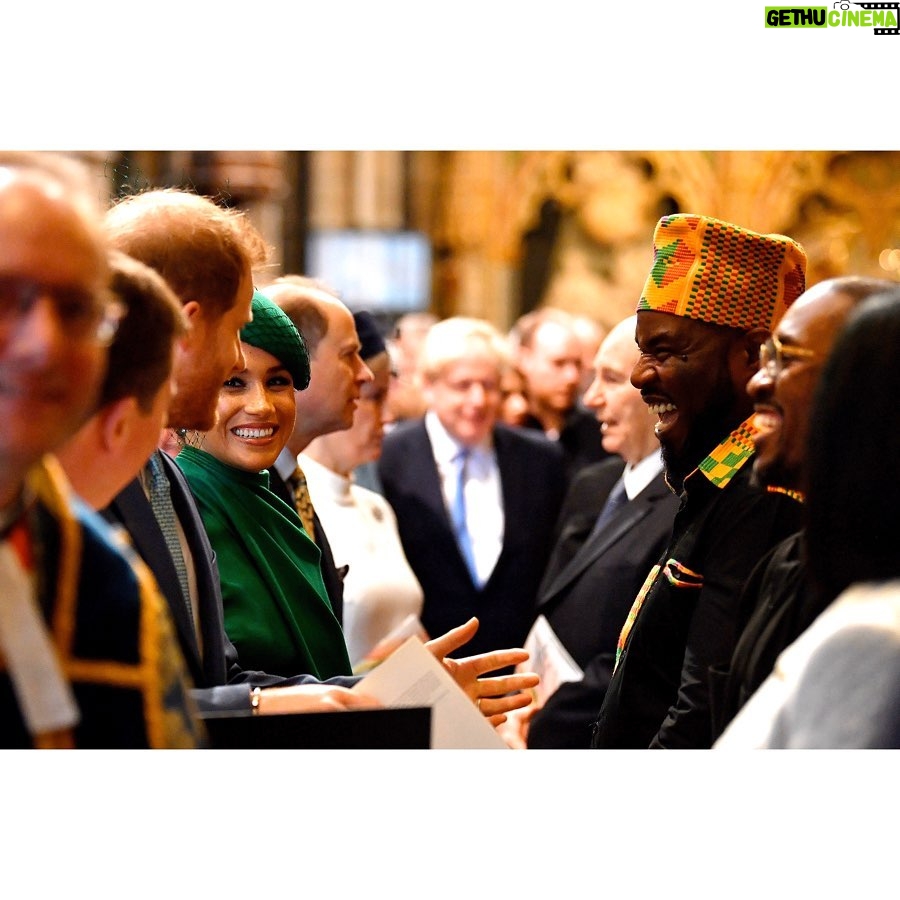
(637,477)
(380,589)
(483,492)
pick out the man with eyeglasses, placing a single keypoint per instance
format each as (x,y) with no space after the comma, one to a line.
(777,604)
(713,295)
(87,654)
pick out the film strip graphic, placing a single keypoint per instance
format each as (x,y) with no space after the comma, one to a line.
(895,6)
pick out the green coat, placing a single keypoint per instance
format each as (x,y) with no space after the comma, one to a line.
(277,611)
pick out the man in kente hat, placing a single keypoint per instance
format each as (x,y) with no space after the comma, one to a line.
(713,295)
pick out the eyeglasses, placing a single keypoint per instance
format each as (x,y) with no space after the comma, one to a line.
(773,356)
(80,314)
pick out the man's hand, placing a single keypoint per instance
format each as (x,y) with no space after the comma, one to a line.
(493,696)
(275,701)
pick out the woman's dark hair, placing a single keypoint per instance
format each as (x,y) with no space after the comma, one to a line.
(853,501)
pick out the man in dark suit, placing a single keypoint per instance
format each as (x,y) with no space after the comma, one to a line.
(337,373)
(549,355)
(476,501)
(613,527)
(206,254)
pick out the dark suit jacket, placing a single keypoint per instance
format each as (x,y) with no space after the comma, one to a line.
(331,575)
(221,682)
(580,439)
(532,483)
(589,587)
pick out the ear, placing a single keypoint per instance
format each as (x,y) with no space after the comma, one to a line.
(193,314)
(750,343)
(192,311)
(189,344)
(115,423)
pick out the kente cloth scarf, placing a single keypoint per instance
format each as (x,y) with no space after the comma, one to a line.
(277,611)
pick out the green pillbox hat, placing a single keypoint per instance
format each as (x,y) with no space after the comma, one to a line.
(271,330)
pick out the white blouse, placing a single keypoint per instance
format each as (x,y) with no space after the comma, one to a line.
(380,589)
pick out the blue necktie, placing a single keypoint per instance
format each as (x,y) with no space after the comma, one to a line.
(617,497)
(458,515)
(161,502)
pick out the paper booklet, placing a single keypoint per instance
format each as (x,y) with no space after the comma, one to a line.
(411,676)
(389,643)
(549,658)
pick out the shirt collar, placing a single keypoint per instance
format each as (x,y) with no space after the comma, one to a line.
(444,446)
(637,477)
(285,464)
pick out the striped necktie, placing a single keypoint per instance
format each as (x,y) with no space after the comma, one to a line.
(302,501)
(161,502)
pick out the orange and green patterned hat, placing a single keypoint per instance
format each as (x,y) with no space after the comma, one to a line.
(710,270)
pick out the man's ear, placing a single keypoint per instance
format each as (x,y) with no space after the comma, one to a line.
(743,355)
(752,341)
(192,310)
(193,315)
(115,423)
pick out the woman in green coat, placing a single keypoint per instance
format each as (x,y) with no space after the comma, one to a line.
(277,611)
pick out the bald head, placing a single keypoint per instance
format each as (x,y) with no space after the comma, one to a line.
(337,371)
(626,427)
(782,390)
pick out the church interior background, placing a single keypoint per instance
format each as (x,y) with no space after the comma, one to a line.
(497,233)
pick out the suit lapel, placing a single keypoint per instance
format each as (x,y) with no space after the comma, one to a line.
(425,479)
(595,546)
(517,500)
(132,509)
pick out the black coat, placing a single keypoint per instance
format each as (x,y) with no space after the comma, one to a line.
(532,482)
(580,439)
(778,605)
(220,681)
(587,591)
(659,694)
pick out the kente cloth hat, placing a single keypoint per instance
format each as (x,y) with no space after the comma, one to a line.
(271,330)
(716,272)
(370,339)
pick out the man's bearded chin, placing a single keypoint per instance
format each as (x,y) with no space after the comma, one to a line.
(776,474)
(708,431)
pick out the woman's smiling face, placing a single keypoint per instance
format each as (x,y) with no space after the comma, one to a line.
(255,414)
